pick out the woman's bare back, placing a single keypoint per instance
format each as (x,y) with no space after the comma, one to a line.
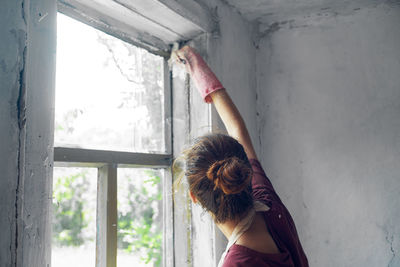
(258,238)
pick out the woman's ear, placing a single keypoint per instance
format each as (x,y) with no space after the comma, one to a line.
(194,199)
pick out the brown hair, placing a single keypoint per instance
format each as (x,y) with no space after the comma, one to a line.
(219,176)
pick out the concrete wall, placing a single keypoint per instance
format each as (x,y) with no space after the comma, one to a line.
(329,126)
(232,57)
(27,50)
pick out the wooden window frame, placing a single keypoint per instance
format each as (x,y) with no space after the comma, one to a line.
(107,163)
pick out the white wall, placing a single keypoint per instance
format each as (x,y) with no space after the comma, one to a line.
(231,55)
(329,125)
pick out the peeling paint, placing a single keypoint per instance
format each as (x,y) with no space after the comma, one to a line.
(269,14)
(389,240)
(268,11)
(41,17)
(21,109)
(21,101)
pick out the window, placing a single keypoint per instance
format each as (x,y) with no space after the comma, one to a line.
(112,180)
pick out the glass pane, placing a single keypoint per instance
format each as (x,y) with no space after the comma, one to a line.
(140,217)
(109,94)
(74,217)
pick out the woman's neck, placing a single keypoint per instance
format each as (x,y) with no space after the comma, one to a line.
(227,227)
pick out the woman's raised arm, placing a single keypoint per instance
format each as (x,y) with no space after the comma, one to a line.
(212,90)
(233,121)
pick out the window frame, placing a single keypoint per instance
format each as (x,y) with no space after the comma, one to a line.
(107,162)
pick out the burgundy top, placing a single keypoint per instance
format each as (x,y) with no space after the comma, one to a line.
(280,225)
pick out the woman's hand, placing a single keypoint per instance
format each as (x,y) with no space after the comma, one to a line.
(204,79)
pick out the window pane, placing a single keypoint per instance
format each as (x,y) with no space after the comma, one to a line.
(109,94)
(140,217)
(74,217)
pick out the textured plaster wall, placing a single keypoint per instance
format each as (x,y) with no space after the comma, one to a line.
(267,12)
(329,125)
(27,62)
(231,55)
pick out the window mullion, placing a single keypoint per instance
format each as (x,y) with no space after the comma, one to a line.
(167,108)
(106,219)
(168,222)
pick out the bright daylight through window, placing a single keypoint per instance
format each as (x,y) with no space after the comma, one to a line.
(109,96)
(108,93)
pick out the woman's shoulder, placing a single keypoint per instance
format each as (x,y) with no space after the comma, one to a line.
(239,256)
(263,189)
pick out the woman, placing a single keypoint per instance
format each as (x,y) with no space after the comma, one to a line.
(226,178)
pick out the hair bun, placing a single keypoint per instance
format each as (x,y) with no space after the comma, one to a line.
(231,175)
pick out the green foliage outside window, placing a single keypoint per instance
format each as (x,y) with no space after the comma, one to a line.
(69,214)
(139,226)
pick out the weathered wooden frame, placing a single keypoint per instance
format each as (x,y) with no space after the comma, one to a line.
(151,24)
(106,216)
(78,157)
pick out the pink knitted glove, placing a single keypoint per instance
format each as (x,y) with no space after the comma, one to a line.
(203,77)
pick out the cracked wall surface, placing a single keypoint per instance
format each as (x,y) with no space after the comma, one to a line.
(267,12)
(12,47)
(328,119)
(27,65)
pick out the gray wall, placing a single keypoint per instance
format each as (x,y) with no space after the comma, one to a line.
(231,55)
(329,125)
(27,50)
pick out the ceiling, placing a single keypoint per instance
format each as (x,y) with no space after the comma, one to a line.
(266,12)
